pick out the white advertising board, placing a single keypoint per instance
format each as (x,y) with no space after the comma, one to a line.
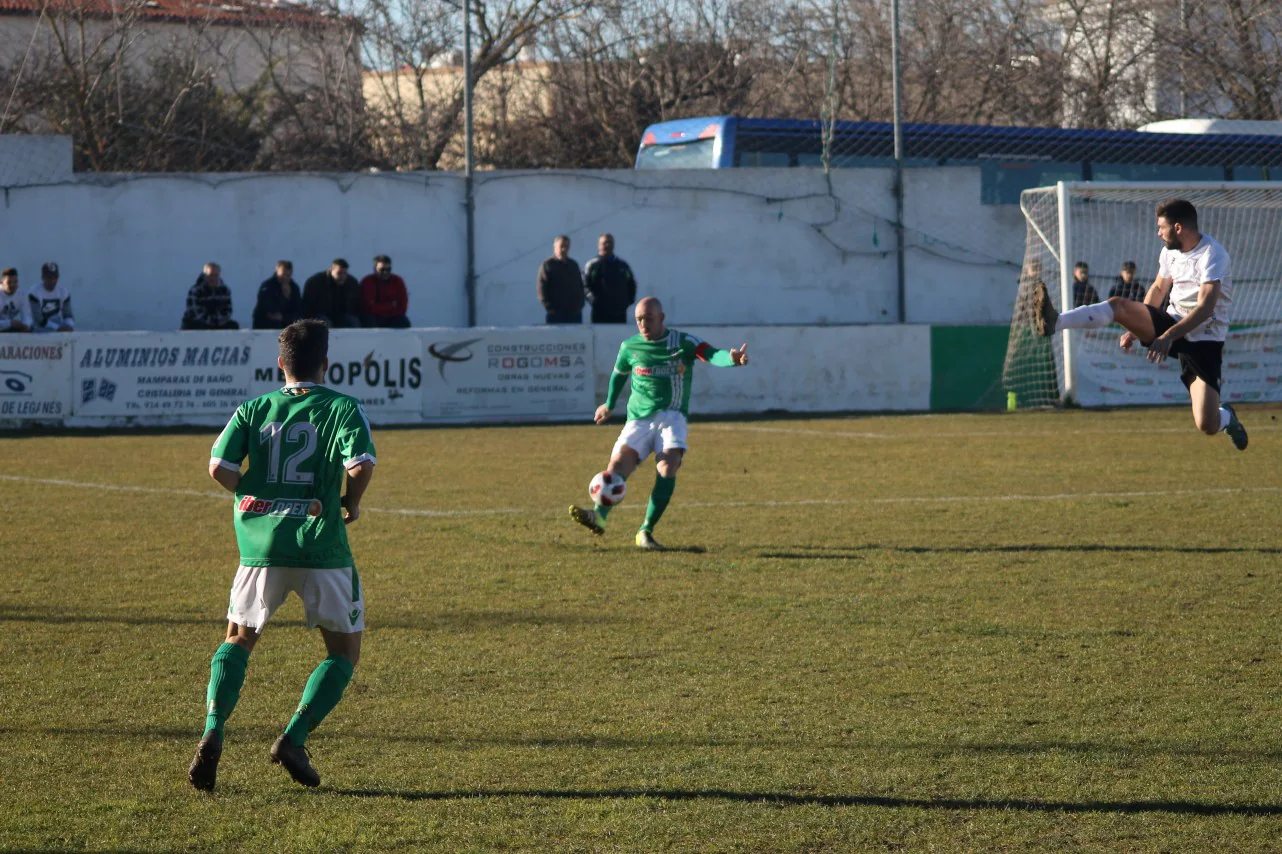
(508,373)
(186,377)
(381,368)
(35,378)
(1251,372)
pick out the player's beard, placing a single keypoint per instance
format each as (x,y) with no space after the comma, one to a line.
(1173,243)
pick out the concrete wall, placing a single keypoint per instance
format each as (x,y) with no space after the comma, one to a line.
(727,247)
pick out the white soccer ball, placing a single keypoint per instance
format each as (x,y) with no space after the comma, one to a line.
(607,489)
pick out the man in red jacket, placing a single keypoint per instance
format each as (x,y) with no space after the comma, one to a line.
(384,299)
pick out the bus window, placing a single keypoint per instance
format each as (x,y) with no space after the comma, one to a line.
(696,154)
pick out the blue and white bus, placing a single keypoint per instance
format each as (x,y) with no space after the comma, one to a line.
(1011,159)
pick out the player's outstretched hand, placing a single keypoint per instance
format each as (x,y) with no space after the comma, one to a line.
(1159,349)
(1128,339)
(740,356)
(602,414)
(351,512)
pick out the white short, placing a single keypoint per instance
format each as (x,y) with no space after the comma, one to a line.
(332,598)
(663,431)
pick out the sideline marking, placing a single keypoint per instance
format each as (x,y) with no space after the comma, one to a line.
(533,511)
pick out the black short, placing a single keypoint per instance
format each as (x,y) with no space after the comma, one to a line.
(1198,359)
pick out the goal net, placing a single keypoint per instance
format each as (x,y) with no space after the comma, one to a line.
(1108,224)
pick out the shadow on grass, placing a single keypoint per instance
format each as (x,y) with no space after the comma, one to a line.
(785,799)
(859,552)
(458,621)
(266,732)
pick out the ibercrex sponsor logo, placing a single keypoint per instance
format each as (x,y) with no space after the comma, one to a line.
(1105,366)
(1243,366)
(298,508)
(1139,381)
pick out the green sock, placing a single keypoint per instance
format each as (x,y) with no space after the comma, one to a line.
(324,690)
(601,512)
(659,498)
(226,675)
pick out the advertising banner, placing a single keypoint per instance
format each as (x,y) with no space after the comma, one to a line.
(508,373)
(1251,371)
(35,378)
(382,368)
(150,375)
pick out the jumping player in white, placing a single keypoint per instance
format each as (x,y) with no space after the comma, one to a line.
(1194,269)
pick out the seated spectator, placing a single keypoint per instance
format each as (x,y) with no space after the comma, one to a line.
(50,303)
(15,310)
(1084,292)
(1126,286)
(384,299)
(280,300)
(333,296)
(209,302)
(560,285)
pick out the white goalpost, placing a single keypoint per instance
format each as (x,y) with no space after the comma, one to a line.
(1107,224)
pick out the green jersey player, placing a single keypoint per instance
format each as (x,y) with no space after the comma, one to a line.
(304,443)
(660,362)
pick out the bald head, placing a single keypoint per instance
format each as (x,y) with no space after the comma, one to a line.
(649,315)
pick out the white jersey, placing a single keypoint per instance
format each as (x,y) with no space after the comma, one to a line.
(1188,271)
(14,307)
(50,309)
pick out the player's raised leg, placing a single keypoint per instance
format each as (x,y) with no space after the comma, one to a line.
(623,462)
(1135,317)
(226,676)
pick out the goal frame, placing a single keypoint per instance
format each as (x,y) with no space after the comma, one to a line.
(1061,246)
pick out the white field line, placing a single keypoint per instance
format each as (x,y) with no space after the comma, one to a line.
(966,434)
(826,502)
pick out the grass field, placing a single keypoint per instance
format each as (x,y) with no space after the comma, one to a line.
(1023,632)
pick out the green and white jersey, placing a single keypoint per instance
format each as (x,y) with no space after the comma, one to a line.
(661,371)
(300,440)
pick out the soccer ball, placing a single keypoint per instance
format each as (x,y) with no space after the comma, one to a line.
(607,489)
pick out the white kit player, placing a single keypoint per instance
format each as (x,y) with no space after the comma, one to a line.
(1194,270)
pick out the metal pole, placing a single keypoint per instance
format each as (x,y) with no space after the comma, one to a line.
(469,164)
(1184,84)
(899,160)
(1063,199)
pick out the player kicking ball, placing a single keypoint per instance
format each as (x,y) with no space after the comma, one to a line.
(305,443)
(1193,269)
(660,362)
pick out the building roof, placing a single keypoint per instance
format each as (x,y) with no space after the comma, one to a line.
(231,12)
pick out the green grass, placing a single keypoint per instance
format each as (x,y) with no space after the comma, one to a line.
(1095,667)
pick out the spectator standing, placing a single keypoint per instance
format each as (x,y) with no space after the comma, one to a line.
(50,303)
(1083,292)
(280,300)
(561,285)
(15,310)
(609,284)
(333,296)
(1126,286)
(209,302)
(384,299)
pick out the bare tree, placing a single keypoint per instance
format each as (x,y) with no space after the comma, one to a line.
(1231,53)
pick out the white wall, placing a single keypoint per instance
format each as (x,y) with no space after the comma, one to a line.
(726,246)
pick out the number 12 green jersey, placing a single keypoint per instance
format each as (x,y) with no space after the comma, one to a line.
(299,440)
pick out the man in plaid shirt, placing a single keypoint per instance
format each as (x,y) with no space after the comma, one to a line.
(209,302)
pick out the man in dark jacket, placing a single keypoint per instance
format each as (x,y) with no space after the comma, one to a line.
(561,285)
(1126,286)
(609,283)
(280,301)
(333,296)
(209,302)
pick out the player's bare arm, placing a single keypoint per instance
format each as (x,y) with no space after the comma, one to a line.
(1207,297)
(602,414)
(358,478)
(227,478)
